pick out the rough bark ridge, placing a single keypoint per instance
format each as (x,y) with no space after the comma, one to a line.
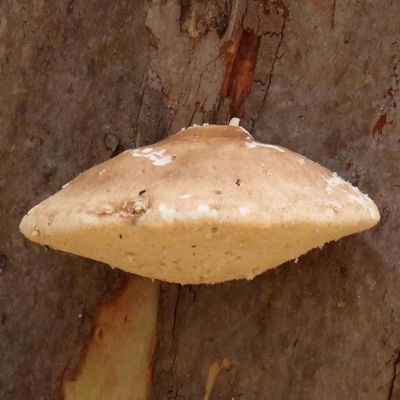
(83,80)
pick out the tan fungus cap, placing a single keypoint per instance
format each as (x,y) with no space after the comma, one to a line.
(208,204)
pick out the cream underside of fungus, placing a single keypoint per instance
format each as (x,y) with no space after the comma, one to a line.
(207,205)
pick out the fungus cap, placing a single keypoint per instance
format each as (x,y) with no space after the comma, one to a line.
(206,205)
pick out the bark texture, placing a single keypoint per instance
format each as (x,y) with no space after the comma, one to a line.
(83,80)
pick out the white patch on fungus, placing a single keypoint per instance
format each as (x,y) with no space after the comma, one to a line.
(36,232)
(234,122)
(358,197)
(334,205)
(122,214)
(363,200)
(137,208)
(158,157)
(254,144)
(65,185)
(106,209)
(300,161)
(169,214)
(184,196)
(333,182)
(32,209)
(249,137)
(102,172)
(244,211)
(203,208)
(130,257)
(271,146)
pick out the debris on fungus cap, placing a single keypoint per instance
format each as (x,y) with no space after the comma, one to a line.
(206,205)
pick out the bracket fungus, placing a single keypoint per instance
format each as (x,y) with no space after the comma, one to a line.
(206,205)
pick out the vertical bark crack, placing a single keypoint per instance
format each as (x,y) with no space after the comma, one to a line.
(333,14)
(394,375)
(271,72)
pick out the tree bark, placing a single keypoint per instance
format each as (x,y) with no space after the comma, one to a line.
(82,81)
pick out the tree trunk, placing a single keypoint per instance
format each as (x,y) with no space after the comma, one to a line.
(81,81)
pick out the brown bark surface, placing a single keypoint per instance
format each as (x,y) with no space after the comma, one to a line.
(81,81)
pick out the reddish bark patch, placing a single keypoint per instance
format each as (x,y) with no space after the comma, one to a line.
(241,63)
(382,122)
(349,164)
(149,372)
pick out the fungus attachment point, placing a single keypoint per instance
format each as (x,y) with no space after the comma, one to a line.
(169,197)
(234,122)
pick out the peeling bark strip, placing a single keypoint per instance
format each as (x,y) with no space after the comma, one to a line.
(118,360)
(199,17)
(240,66)
(215,369)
